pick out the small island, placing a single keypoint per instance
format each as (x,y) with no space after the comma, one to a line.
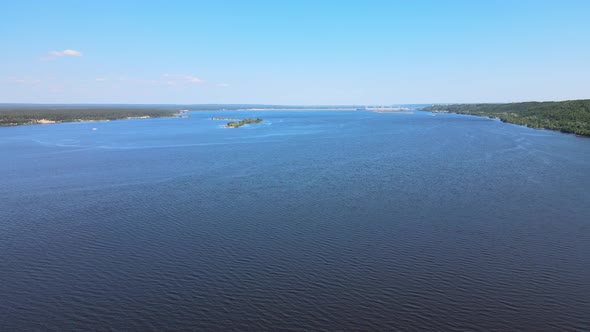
(237,124)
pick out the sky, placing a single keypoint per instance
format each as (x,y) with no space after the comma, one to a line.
(294,52)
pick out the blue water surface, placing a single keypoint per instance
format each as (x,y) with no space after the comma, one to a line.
(310,220)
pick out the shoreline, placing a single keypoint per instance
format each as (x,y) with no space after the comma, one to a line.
(504,121)
(44,121)
(51,122)
(568,116)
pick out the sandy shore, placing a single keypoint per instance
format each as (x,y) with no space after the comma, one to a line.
(44,121)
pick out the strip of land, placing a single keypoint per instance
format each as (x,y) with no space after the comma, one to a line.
(571,116)
(14,115)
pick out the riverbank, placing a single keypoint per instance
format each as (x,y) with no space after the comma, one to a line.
(571,117)
(33,115)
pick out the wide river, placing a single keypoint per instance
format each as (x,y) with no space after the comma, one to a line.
(310,220)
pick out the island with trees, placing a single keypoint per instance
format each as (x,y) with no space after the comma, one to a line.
(571,116)
(237,124)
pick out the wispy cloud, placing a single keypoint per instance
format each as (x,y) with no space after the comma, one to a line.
(122,79)
(52,55)
(182,78)
(66,53)
(164,79)
(24,80)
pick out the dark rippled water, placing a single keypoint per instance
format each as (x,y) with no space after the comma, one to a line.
(307,221)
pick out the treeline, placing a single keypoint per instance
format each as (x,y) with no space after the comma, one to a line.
(571,116)
(11,115)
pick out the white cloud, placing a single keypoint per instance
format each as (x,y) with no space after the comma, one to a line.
(193,79)
(52,55)
(185,78)
(65,53)
(164,79)
(24,80)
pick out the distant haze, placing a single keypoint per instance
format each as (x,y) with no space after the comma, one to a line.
(295,52)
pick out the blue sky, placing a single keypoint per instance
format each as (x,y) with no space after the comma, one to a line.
(294,52)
